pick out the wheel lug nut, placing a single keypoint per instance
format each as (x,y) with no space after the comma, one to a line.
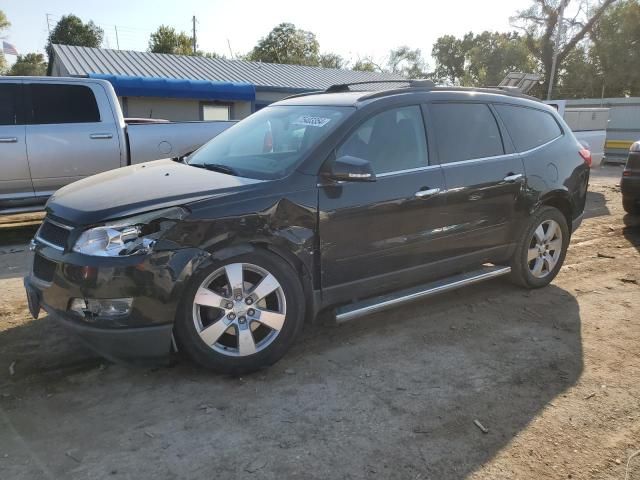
(251,312)
(231,316)
(249,301)
(238,297)
(242,319)
(229,305)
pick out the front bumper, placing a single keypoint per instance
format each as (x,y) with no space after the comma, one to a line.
(154,281)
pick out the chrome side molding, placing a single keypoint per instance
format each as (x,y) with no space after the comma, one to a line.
(386,302)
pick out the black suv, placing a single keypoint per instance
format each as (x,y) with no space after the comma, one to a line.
(340,201)
(630,183)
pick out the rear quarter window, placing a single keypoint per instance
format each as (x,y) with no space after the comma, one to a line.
(529,128)
(62,104)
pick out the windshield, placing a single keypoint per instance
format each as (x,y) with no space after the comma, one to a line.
(270,143)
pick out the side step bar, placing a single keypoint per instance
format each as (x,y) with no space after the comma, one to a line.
(377,304)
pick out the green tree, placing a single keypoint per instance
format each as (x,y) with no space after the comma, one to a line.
(407,62)
(287,44)
(491,56)
(331,60)
(449,53)
(365,65)
(4,24)
(31,64)
(70,30)
(615,51)
(480,60)
(166,40)
(539,23)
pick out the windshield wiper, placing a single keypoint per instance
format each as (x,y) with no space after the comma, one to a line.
(216,167)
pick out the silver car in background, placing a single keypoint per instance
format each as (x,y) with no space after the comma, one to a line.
(54,131)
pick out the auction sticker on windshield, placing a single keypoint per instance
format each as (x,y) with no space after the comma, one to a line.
(309,121)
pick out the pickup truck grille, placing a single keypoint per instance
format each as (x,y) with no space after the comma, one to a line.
(43,268)
(53,234)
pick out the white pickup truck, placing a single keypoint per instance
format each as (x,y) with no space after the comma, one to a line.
(588,124)
(54,131)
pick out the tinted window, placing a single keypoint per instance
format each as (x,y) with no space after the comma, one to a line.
(392,140)
(465,131)
(8,97)
(529,128)
(62,104)
(271,142)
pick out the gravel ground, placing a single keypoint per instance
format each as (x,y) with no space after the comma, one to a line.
(552,374)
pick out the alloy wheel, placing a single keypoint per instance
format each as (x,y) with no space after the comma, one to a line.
(239,309)
(545,248)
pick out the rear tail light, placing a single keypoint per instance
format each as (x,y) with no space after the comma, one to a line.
(586,156)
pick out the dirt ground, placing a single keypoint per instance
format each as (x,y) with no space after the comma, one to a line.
(553,374)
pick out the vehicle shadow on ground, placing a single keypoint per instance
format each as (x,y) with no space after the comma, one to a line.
(596,205)
(394,395)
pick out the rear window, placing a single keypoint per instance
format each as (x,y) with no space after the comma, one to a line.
(465,131)
(8,96)
(529,128)
(62,104)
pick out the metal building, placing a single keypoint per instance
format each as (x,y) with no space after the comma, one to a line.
(181,88)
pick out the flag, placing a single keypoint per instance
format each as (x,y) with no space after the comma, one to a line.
(8,48)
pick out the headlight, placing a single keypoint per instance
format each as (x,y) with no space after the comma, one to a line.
(128,236)
(635,147)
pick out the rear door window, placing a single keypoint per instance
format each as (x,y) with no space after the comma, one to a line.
(392,141)
(61,104)
(9,103)
(528,127)
(465,131)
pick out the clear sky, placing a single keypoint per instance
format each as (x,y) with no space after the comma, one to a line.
(354,29)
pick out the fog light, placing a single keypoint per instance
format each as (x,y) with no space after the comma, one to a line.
(101,307)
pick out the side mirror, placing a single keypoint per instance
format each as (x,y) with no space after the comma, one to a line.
(351,169)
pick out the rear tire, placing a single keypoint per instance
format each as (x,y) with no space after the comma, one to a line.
(242,314)
(631,205)
(541,249)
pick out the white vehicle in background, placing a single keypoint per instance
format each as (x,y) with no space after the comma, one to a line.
(56,130)
(588,124)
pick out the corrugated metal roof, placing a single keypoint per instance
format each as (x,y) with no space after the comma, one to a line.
(81,61)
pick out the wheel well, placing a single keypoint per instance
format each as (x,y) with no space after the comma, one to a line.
(297,264)
(561,204)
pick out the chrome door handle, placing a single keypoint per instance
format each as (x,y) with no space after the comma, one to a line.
(8,139)
(100,136)
(427,193)
(513,178)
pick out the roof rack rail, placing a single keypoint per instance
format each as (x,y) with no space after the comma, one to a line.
(344,87)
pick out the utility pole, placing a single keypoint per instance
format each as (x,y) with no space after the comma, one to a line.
(115,27)
(230,51)
(556,48)
(195,44)
(48,24)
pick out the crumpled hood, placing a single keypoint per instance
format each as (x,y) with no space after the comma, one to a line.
(139,188)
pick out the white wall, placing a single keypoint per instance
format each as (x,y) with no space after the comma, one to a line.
(174,109)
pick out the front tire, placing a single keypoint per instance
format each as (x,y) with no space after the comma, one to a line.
(631,205)
(242,314)
(541,249)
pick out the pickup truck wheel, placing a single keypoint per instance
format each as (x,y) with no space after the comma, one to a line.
(241,315)
(631,205)
(541,249)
